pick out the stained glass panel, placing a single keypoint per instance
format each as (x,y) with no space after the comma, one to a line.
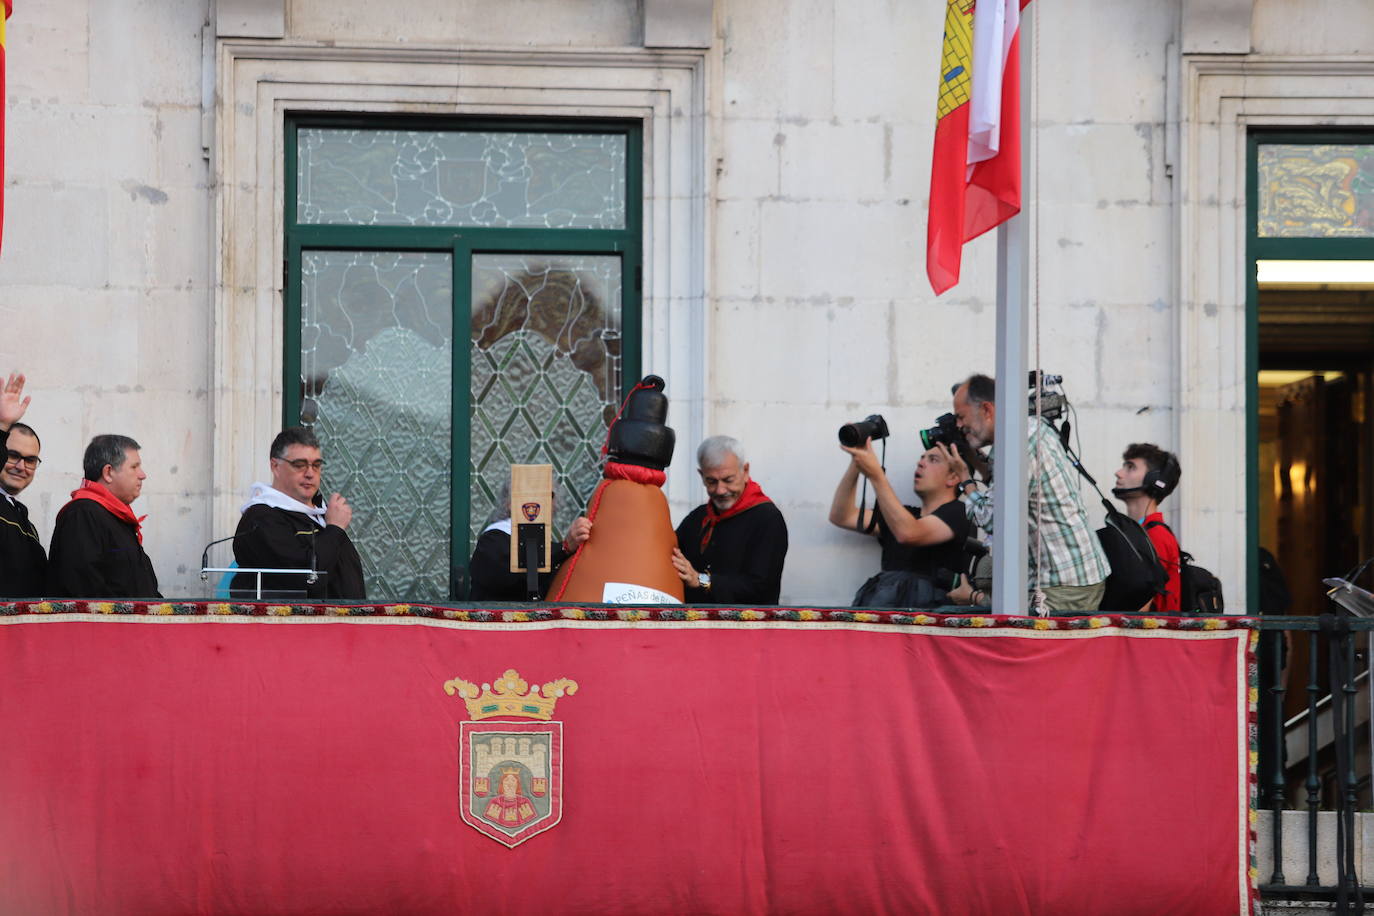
(546,366)
(376,369)
(460,178)
(1316,190)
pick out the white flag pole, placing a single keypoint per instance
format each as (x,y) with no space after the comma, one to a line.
(1010,538)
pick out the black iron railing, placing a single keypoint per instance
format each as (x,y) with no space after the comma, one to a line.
(1314,743)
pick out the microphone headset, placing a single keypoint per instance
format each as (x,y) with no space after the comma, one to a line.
(1155,484)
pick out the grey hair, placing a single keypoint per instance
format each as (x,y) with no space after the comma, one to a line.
(500,511)
(106,449)
(712,452)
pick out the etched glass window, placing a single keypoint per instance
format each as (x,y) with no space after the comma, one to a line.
(397,238)
(1316,190)
(376,372)
(361,177)
(546,373)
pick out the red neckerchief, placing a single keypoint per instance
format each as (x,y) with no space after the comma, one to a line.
(751,497)
(97,491)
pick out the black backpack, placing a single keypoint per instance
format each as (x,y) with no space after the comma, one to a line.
(901,588)
(1200,590)
(1137,575)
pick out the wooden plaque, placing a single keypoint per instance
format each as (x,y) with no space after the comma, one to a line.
(531,503)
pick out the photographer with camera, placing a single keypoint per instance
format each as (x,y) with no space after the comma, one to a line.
(922,547)
(1068,567)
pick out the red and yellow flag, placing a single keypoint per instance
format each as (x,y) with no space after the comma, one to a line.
(975,174)
(8,8)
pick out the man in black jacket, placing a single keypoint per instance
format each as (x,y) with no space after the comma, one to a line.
(97,543)
(286,525)
(23,563)
(731,549)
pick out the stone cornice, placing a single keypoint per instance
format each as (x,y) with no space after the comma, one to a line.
(297,50)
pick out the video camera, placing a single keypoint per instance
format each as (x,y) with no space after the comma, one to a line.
(1052,403)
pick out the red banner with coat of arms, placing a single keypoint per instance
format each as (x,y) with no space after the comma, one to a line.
(227,759)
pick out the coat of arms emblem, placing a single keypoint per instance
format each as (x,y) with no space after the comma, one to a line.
(531,511)
(510,779)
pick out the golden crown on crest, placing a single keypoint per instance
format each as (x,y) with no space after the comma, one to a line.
(510,696)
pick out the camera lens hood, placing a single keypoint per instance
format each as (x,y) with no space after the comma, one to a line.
(872,426)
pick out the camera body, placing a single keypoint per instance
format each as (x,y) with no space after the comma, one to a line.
(946,430)
(872,426)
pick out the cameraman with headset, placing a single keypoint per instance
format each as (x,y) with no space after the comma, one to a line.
(921,546)
(1072,569)
(1148,474)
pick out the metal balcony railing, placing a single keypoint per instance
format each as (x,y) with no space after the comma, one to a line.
(1314,744)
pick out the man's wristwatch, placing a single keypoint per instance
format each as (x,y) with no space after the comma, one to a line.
(704,581)
(963,487)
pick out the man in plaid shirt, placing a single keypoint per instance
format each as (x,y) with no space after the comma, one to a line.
(1071,569)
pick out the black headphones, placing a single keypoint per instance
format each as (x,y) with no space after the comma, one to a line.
(1156,484)
(1161,483)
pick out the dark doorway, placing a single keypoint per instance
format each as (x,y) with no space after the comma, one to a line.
(1310,356)
(1316,369)
(1316,469)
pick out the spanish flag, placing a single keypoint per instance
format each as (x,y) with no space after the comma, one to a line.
(975,174)
(9,8)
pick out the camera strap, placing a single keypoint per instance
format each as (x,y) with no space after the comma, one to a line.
(1078,464)
(863,498)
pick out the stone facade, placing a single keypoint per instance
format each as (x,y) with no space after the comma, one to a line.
(788,177)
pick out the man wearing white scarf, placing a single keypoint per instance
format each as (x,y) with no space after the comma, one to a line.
(286,525)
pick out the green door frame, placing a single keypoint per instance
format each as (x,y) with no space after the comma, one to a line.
(1277,249)
(462,243)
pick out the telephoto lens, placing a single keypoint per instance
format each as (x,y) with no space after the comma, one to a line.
(872,426)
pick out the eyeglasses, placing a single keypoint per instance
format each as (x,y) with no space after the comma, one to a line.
(300,464)
(29,461)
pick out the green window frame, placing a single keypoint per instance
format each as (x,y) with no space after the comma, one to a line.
(462,244)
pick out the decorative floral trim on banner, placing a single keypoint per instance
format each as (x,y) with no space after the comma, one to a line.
(639,613)
(1252,680)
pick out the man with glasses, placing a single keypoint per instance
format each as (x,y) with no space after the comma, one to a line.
(286,525)
(23,562)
